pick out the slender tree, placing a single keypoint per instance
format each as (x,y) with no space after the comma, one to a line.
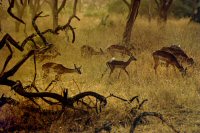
(35,7)
(163,9)
(1,9)
(149,10)
(56,10)
(196,11)
(20,7)
(134,6)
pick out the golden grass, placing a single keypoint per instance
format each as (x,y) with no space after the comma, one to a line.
(174,96)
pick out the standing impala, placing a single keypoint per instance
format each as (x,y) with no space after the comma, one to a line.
(181,56)
(119,64)
(168,58)
(59,69)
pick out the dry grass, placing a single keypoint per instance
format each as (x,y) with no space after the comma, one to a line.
(177,98)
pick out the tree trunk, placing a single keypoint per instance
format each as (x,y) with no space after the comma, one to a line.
(149,11)
(80,6)
(162,16)
(196,16)
(1,10)
(163,9)
(129,24)
(0,26)
(20,13)
(196,12)
(55,13)
(34,7)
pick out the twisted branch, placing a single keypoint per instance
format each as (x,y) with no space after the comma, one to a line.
(138,119)
(9,10)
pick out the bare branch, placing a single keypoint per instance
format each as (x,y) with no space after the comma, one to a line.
(64,100)
(128,4)
(74,8)
(7,37)
(13,70)
(8,100)
(137,120)
(142,103)
(8,58)
(11,14)
(37,29)
(125,100)
(53,81)
(62,5)
(157,3)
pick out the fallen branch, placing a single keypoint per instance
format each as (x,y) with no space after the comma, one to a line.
(138,119)
(64,100)
(8,100)
(9,10)
(125,100)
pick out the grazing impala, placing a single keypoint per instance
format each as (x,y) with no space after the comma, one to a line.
(87,51)
(59,69)
(42,57)
(168,58)
(119,64)
(119,49)
(181,56)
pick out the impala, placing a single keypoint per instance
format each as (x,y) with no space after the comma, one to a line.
(59,69)
(119,49)
(87,51)
(181,56)
(112,64)
(168,58)
(42,57)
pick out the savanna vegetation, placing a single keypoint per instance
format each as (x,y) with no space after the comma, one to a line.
(92,100)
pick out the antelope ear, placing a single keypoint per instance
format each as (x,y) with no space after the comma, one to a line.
(75,65)
(80,67)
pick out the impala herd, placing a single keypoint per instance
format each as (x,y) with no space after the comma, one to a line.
(172,55)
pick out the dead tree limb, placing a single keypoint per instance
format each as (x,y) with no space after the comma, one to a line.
(138,119)
(125,100)
(7,59)
(8,38)
(37,29)
(127,3)
(64,100)
(142,103)
(62,5)
(53,81)
(8,100)
(14,69)
(9,10)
